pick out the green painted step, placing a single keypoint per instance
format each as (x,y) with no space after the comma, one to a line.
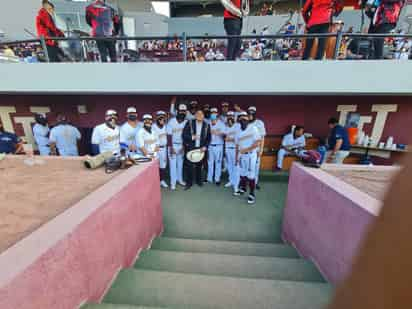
(229,265)
(225,247)
(280,176)
(153,288)
(117,306)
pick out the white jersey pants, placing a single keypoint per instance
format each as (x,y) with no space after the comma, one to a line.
(44,150)
(162,155)
(231,165)
(176,164)
(248,163)
(257,168)
(282,153)
(214,162)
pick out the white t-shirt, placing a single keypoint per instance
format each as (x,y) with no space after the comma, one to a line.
(199,127)
(147,140)
(107,138)
(161,134)
(65,136)
(216,131)
(231,133)
(128,133)
(246,138)
(175,129)
(290,142)
(40,134)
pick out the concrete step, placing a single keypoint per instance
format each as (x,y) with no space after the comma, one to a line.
(117,306)
(154,288)
(225,247)
(273,268)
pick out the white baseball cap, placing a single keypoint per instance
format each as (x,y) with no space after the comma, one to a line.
(242,114)
(147,117)
(230,114)
(160,113)
(131,110)
(214,110)
(111,112)
(252,109)
(182,107)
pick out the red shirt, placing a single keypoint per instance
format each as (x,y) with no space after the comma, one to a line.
(46,27)
(317,12)
(227,14)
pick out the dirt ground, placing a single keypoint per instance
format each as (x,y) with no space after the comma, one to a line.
(32,195)
(374,183)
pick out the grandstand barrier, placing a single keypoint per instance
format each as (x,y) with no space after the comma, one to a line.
(87,52)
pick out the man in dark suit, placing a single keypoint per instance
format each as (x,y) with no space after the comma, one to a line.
(196,135)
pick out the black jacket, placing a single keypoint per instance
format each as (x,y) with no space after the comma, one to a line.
(190,130)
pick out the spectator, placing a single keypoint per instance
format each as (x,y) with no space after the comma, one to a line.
(210,55)
(64,138)
(219,56)
(402,49)
(318,18)
(233,22)
(383,20)
(105,23)
(46,28)
(338,143)
(10,143)
(8,52)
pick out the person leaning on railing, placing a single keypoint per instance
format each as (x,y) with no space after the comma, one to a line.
(318,15)
(46,28)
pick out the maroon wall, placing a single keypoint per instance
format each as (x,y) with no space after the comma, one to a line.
(278,112)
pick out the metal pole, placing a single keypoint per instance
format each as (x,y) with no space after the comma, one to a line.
(338,43)
(184,38)
(44,46)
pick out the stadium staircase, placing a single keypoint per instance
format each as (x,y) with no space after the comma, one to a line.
(218,252)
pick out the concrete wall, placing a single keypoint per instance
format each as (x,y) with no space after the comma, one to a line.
(74,258)
(326,219)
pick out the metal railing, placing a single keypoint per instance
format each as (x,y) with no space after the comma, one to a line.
(89,43)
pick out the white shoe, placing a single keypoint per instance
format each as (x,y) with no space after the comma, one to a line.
(182,183)
(173,188)
(228,185)
(163,184)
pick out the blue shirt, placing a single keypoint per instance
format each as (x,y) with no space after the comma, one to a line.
(65,136)
(8,142)
(339,132)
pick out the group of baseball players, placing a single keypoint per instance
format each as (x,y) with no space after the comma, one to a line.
(235,143)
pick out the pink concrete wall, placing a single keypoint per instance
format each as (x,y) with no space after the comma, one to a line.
(73,258)
(326,219)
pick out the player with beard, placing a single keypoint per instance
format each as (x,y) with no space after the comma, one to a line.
(41,133)
(248,141)
(231,130)
(259,124)
(129,129)
(175,146)
(159,129)
(106,136)
(146,140)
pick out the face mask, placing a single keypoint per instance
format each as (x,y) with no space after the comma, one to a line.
(213,117)
(243,124)
(111,122)
(148,128)
(231,121)
(132,117)
(181,116)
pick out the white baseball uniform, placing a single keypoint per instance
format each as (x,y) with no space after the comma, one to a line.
(262,132)
(161,134)
(66,136)
(128,134)
(247,161)
(289,141)
(148,141)
(230,151)
(108,139)
(215,151)
(41,136)
(175,130)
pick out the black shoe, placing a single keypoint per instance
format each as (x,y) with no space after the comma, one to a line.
(242,191)
(251,200)
(257,187)
(187,188)
(218,183)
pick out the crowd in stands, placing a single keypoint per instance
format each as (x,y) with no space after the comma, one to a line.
(30,53)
